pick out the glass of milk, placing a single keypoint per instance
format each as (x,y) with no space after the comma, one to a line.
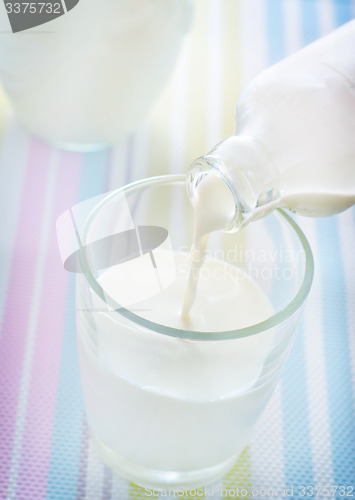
(90,76)
(172,402)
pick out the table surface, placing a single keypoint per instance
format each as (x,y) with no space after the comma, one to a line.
(306,436)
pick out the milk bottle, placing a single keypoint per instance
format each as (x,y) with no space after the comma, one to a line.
(294,144)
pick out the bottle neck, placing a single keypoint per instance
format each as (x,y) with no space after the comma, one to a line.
(248,173)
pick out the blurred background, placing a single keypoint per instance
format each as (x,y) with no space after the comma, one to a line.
(306,436)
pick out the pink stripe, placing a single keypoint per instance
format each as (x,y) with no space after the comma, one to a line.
(18,304)
(45,368)
(107,487)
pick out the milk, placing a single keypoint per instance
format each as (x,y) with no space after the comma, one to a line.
(90,76)
(213,209)
(221,289)
(166,403)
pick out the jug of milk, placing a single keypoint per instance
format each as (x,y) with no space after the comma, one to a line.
(294,145)
(91,75)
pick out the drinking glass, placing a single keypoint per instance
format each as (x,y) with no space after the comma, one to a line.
(168,407)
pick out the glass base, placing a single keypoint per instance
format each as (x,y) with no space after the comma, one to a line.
(161,479)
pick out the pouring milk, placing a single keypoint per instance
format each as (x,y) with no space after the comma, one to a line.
(294,147)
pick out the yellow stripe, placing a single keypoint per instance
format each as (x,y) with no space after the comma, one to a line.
(136,492)
(238,478)
(159,134)
(197,87)
(196,95)
(231,64)
(4,110)
(160,123)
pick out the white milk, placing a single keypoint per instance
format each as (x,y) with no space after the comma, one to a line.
(165,403)
(213,209)
(91,75)
(222,290)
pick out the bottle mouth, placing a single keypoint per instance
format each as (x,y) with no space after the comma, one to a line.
(212,165)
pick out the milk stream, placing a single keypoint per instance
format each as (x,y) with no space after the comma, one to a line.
(213,208)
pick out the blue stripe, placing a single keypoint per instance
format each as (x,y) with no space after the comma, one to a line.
(336,334)
(275,30)
(295,417)
(343,11)
(310,28)
(338,361)
(67,433)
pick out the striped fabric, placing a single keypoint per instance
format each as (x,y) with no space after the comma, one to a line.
(306,436)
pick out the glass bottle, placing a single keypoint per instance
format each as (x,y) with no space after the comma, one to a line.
(294,145)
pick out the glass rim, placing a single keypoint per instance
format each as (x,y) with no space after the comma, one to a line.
(271,322)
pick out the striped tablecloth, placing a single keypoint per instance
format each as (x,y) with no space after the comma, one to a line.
(306,436)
